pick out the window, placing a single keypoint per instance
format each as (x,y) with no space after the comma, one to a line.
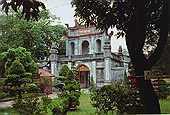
(98,46)
(72,48)
(85,47)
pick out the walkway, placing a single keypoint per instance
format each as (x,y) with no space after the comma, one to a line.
(9,103)
(52,96)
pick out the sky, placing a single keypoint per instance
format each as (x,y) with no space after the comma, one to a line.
(63,9)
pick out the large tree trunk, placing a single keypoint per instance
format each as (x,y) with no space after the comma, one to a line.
(135,39)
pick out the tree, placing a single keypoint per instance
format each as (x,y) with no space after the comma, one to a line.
(63,70)
(164,63)
(29,7)
(18,70)
(70,92)
(139,21)
(60,79)
(36,37)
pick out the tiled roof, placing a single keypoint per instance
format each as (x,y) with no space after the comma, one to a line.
(45,73)
(79,27)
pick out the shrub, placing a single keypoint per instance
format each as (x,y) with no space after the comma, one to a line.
(102,100)
(92,87)
(71,92)
(32,106)
(63,70)
(110,98)
(58,110)
(59,80)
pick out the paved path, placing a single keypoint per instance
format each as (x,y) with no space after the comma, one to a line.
(9,103)
(52,96)
(6,104)
(85,91)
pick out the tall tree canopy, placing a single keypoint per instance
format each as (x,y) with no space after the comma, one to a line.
(36,37)
(141,21)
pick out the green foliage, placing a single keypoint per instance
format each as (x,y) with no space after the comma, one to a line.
(19,70)
(15,68)
(3,89)
(58,110)
(29,8)
(14,76)
(164,103)
(86,108)
(70,94)
(108,17)
(159,81)
(111,98)
(59,83)
(36,37)
(164,63)
(61,78)
(143,22)
(32,106)
(162,88)
(44,83)
(8,111)
(63,70)
(56,107)
(102,100)
(22,55)
(92,87)
(119,13)
(126,79)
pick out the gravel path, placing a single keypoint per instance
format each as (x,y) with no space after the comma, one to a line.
(9,103)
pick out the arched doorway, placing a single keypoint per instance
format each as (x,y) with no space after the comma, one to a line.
(83,74)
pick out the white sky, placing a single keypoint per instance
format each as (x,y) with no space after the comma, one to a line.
(63,9)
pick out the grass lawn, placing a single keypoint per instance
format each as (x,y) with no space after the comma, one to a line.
(165,105)
(85,107)
(8,111)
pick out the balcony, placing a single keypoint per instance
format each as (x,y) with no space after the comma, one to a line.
(93,56)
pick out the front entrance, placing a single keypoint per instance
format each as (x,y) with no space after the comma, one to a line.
(83,74)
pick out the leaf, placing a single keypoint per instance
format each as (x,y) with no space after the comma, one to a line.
(7,8)
(35,15)
(3,6)
(27,16)
(14,7)
(42,5)
(19,3)
(3,2)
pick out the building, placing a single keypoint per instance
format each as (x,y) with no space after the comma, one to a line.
(91,50)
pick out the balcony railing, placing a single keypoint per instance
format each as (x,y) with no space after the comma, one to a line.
(85,57)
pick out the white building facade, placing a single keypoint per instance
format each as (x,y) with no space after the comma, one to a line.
(91,50)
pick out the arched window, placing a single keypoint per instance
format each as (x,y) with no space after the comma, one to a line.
(85,47)
(72,48)
(98,46)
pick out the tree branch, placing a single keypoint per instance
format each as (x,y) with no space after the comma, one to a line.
(163,36)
